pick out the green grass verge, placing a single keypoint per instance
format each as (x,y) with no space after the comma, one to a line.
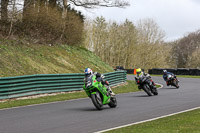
(187,122)
(130,87)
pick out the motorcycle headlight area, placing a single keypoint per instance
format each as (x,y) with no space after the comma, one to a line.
(169,76)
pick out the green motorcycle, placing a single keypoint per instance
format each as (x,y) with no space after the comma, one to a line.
(98,93)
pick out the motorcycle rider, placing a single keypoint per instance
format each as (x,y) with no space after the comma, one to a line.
(165,73)
(99,78)
(140,73)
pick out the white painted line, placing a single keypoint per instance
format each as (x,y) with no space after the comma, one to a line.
(146,120)
(161,86)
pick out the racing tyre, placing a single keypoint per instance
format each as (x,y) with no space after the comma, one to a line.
(97,101)
(113,102)
(147,90)
(155,91)
(176,84)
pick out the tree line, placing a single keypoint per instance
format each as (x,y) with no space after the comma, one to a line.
(186,51)
(140,45)
(47,21)
(119,44)
(127,44)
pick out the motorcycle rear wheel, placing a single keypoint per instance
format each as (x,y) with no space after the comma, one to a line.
(113,102)
(175,84)
(154,90)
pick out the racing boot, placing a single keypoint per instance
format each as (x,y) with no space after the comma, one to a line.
(110,91)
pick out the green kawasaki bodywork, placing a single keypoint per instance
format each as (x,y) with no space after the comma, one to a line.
(97,86)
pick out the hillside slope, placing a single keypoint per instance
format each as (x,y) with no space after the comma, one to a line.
(24,59)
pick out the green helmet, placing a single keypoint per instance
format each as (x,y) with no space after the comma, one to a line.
(139,71)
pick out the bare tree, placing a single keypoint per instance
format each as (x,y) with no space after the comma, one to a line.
(194,60)
(100,26)
(28,5)
(12,18)
(52,3)
(82,3)
(149,31)
(184,48)
(128,45)
(150,44)
(114,43)
(95,3)
(4,10)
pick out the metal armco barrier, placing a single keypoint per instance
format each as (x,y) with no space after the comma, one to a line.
(12,87)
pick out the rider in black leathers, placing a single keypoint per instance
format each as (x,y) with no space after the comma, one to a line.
(141,74)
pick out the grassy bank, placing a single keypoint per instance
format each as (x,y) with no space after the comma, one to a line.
(26,59)
(187,122)
(129,87)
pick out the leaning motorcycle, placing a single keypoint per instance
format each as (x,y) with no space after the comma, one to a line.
(172,80)
(145,84)
(98,93)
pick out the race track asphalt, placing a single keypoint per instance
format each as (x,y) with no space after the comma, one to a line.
(80,116)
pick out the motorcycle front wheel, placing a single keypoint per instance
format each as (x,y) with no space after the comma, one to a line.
(175,83)
(147,90)
(97,101)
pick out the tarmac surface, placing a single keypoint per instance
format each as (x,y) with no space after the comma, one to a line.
(80,116)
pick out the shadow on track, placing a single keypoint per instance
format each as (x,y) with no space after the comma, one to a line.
(140,96)
(171,88)
(88,109)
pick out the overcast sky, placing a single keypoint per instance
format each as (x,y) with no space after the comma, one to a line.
(175,17)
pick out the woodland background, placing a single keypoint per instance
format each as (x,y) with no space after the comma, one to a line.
(127,44)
